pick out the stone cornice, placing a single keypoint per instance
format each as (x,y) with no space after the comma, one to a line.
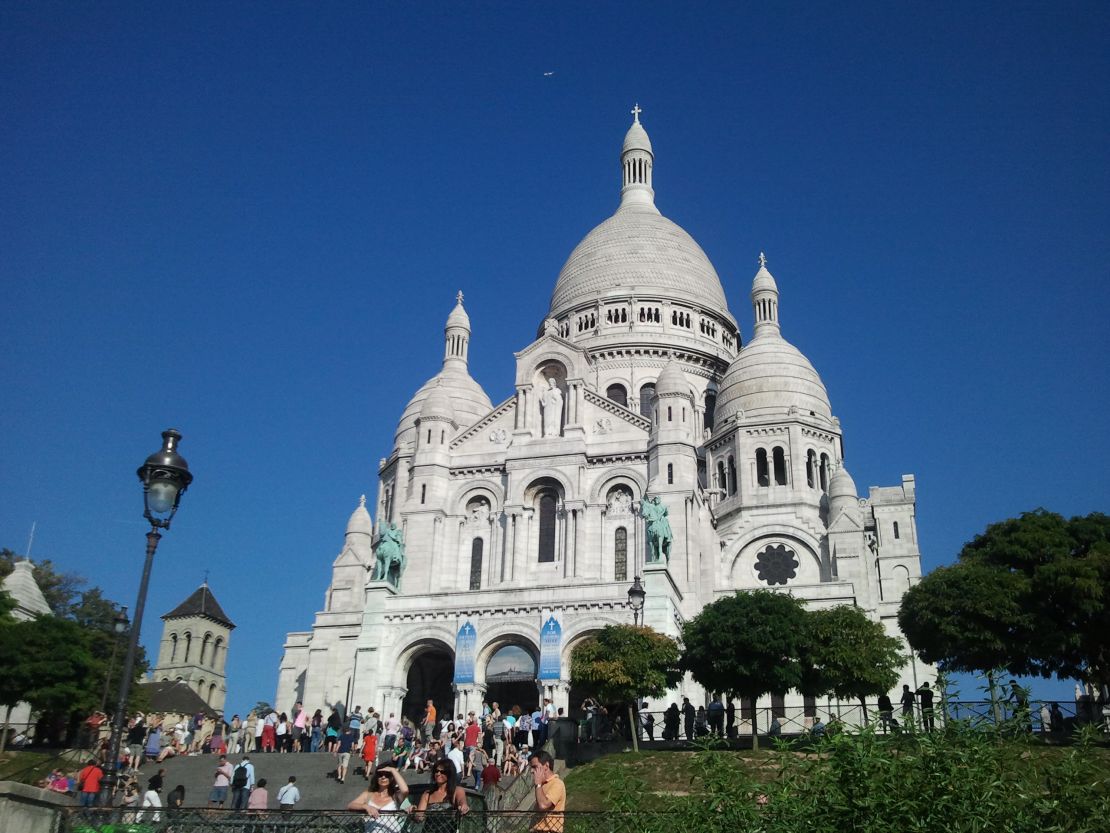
(631,417)
(484,422)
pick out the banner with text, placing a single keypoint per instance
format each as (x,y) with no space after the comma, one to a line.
(551,647)
(465,643)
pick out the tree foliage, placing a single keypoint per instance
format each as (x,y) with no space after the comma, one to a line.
(1030,594)
(624,662)
(746,645)
(848,655)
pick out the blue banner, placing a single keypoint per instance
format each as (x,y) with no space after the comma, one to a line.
(465,644)
(551,645)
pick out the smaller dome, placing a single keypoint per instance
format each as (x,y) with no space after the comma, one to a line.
(437,405)
(672,380)
(636,138)
(360,522)
(458,317)
(770,377)
(841,485)
(763,281)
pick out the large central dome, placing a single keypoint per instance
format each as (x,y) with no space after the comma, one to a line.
(638,252)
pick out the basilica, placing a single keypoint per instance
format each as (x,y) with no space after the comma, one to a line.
(645,440)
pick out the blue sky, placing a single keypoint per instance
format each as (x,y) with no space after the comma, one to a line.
(250,220)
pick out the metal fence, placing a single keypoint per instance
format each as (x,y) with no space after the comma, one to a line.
(476,821)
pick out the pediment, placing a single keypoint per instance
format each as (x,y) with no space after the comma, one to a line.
(604,419)
(844,522)
(491,433)
(551,348)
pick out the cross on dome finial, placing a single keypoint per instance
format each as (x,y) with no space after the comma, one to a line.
(762,259)
(459,297)
(362,500)
(636,113)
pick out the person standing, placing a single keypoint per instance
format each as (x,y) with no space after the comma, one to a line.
(442,800)
(886,712)
(925,693)
(88,783)
(369,753)
(716,712)
(647,722)
(242,781)
(730,719)
(382,801)
(688,715)
(428,722)
(671,718)
(260,796)
(136,734)
(220,785)
(152,797)
(907,701)
(289,795)
(551,794)
(457,758)
(390,726)
(346,742)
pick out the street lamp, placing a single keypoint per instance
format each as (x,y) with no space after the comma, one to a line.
(119,625)
(165,477)
(636,596)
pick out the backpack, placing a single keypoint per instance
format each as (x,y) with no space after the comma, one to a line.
(239,777)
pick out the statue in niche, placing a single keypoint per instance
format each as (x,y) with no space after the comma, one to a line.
(389,556)
(551,404)
(478,511)
(620,502)
(658,529)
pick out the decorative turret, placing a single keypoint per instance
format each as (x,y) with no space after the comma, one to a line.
(842,494)
(195,637)
(360,531)
(765,300)
(636,164)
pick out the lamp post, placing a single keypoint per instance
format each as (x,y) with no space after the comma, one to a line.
(165,477)
(119,625)
(636,597)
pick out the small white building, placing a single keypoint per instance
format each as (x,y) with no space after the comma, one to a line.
(21,586)
(521,519)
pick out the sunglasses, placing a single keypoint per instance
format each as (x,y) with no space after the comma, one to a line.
(440,772)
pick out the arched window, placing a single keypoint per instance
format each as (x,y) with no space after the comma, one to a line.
(731,475)
(204,652)
(824,472)
(722,483)
(620,554)
(811,467)
(647,393)
(429,436)
(670,480)
(670,414)
(188,645)
(423,492)
(896,535)
(211,693)
(779,459)
(617,393)
(173,647)
(761,474)
(547,527)
(476,564)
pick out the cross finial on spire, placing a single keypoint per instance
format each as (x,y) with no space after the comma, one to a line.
(459,297)
(205,578)
(762,260)
(636,113)
(362,500)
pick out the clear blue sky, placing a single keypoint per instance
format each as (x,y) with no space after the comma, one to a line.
(249,221)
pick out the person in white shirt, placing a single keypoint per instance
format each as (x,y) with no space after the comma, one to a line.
(456,757)
(289,795)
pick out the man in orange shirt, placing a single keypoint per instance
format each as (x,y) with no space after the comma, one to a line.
(429,720)
(551,794)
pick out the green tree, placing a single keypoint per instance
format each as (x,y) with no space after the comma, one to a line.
(624,663)
(47,664)
(1030,594)
(848,655)
(746,646)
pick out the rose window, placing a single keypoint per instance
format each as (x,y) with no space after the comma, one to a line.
(776,564)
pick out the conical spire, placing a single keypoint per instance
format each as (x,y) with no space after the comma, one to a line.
(457,334)
(637,161)
(765,301)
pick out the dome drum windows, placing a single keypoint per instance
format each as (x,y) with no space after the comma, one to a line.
(587,321)
(650,315)
(770,465)
(616,315)
(647,393)
(681,319)
(778,459)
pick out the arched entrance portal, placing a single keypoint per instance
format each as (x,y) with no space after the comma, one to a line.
(429,678)
(511,679)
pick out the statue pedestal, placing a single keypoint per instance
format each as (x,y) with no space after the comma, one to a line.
(366,674)
(662,599)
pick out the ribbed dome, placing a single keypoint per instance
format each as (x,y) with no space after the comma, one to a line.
(467,399)
(636,138)
(458,317)
(360,521)
(437,403)
(842,485)
(769,377)
(638,249)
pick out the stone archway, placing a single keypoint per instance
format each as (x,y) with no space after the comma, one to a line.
(511,678)
(430,672)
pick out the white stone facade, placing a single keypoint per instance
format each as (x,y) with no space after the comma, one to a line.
(528,511)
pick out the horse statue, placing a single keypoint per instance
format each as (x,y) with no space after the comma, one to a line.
(658,529)
(389,556)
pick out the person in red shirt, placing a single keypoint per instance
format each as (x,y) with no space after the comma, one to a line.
(88,783)
(491,774)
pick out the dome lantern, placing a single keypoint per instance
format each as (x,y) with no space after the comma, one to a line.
(637,161)
(765,300)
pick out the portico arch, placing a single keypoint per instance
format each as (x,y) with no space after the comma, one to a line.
(507,667)
(428,671)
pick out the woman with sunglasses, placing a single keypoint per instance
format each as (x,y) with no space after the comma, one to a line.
(382,801)
(442,800)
